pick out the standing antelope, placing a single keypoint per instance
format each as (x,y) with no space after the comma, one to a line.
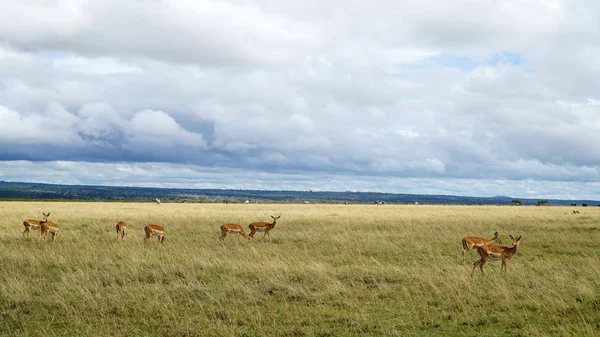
(495,253)
(233,229)
(476,242)
(33,224)
(47,226)
(154,230)
(263,227)
(121,230)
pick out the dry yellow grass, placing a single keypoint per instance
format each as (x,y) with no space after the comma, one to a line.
(328,270)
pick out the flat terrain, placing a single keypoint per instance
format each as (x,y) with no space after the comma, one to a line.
(328,270)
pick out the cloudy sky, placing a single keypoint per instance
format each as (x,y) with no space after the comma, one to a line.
(467,97)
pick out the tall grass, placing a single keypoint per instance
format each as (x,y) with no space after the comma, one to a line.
(328,270)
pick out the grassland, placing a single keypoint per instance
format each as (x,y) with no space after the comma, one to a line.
(328,270)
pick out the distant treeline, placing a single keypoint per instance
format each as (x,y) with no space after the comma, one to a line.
(37,191)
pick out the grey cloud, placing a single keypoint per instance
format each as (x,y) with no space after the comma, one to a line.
(96,133)
(191,176)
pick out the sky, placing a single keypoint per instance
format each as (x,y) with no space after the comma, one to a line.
(465,97)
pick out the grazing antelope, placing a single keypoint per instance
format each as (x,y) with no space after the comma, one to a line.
(495,253)
(233,229)
(121,230)
(154,230)
(476,242)
(33,224)
(263,227)
(47,226)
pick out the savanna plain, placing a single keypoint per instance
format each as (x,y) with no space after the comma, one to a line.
(327,270)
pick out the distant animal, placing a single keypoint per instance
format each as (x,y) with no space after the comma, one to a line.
(154,230)
(263,227)
(121,230)
(584,205)
(33,224)
(233,229)
(157,201)
(495,253)
(573,204)
(472,242)
(48,227)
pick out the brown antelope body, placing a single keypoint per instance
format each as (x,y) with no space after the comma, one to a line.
(263,226)
(495,253)
(121,230)
(33,224)
(472,242)
(48,227)
(154,230)
(234,230)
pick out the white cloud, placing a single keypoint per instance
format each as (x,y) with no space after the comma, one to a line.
(486,90)
(151,129)
(52,126)
(99,120)
(218,33)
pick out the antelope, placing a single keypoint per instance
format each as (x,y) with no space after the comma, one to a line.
(496,253)
(233,229)
(157,201)
(476,242)
(33,224)
(121,230)
(263,227)
(47,226)
(154,230)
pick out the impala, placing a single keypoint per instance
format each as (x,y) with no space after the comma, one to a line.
(33,224)
(121,230)
(48,227)
(154,230)
(472,242)
(495,253)
(233,229)
(263,227)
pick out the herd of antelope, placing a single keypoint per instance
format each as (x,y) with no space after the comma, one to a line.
(46,227)
(261,226)
(485,248)
(487,251)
